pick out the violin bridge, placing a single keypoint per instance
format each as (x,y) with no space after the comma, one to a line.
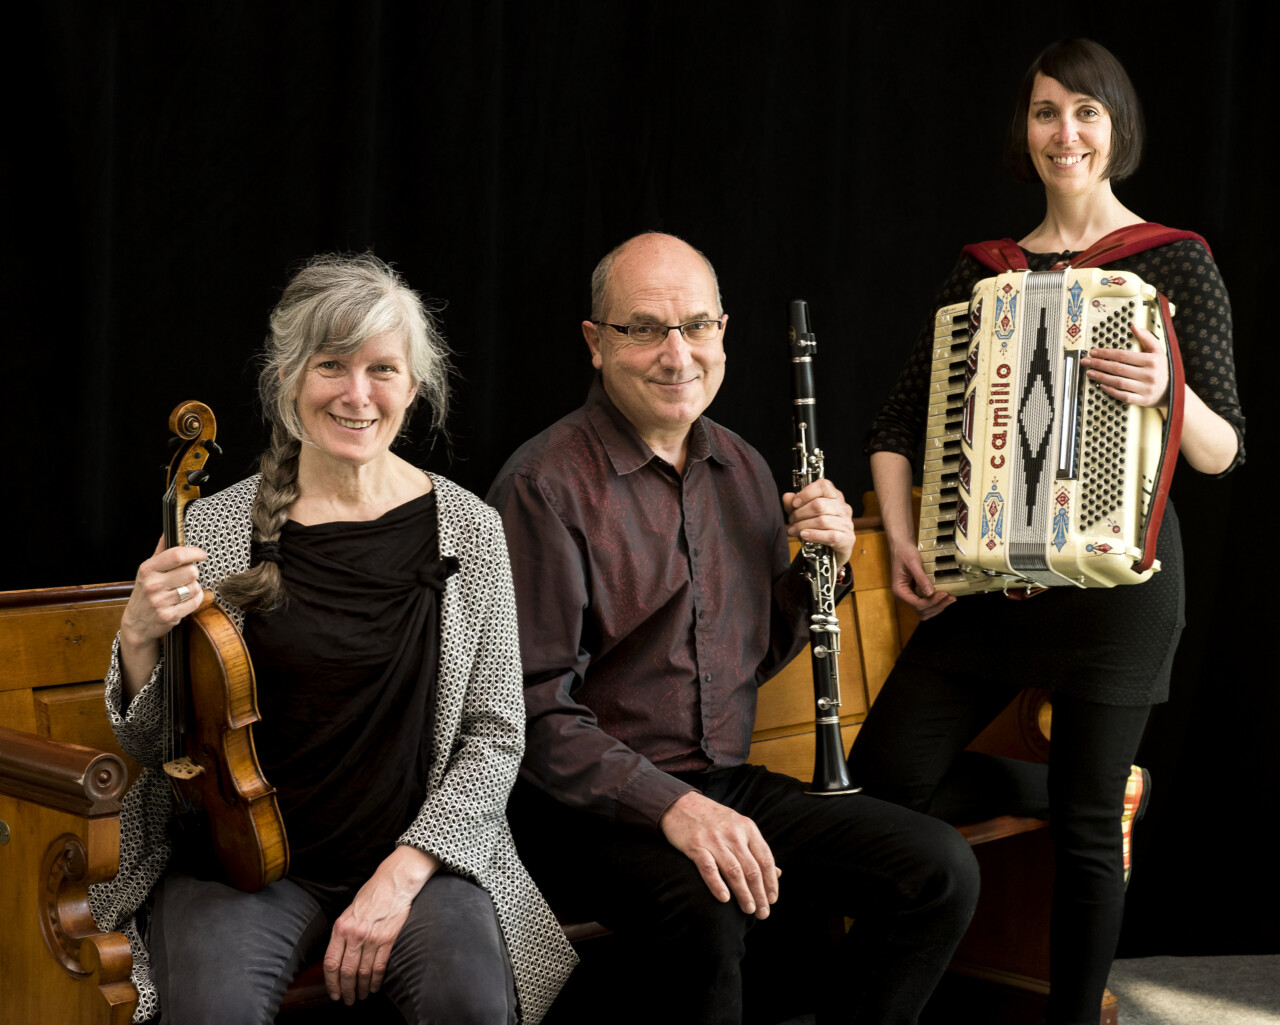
(183,768)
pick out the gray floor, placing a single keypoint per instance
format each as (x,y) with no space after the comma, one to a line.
(1197,990)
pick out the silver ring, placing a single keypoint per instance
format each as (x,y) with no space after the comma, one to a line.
(184,592)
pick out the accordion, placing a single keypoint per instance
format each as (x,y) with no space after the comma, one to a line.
(1033,475)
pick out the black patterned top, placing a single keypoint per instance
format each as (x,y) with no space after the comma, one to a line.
(1110,645)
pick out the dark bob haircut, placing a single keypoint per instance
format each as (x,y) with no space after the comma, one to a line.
(1082,66)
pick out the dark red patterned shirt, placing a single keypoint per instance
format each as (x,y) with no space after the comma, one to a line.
(652,606)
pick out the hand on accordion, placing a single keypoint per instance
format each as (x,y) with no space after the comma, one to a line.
(912,584)
(1139,378)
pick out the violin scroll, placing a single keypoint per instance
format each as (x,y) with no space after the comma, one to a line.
(195,429)
(189,419)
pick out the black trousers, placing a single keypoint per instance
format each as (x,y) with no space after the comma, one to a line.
(911,751)
(909,882)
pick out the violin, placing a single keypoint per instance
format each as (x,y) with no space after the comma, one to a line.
(211,698)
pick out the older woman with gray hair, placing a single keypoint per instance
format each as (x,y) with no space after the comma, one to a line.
(376,602)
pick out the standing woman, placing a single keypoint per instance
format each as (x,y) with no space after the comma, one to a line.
(376,603)
(1105,653)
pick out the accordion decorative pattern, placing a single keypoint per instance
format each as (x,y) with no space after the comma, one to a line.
(1059,474)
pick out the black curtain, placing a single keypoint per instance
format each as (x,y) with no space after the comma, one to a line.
(169,163)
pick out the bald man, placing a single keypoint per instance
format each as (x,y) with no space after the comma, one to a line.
(655,596)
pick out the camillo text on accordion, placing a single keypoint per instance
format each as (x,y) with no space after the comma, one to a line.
(1033,475)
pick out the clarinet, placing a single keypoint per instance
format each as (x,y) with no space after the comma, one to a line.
(830,772)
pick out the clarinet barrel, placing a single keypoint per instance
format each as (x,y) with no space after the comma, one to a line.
(830,771)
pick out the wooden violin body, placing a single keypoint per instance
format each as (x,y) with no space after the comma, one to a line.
(212,702)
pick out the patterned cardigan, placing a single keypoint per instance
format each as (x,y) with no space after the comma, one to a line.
(478,741)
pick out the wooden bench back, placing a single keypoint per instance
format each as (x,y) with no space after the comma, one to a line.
(55,647)
(873,628)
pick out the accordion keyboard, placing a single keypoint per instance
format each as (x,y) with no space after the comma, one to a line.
(942,453)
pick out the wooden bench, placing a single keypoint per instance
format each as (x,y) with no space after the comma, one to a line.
(59,805)
(55,645)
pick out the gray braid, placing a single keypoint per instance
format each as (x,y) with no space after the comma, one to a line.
(260,588)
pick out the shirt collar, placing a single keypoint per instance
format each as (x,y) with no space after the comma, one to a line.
(625,448)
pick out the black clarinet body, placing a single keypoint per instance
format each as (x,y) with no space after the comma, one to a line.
(830,771)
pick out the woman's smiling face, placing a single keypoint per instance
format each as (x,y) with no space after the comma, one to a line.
(352,406)
(1068,137)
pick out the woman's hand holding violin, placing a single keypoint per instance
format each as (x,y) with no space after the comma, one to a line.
(165,592)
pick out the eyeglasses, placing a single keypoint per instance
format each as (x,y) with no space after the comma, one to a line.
(650,334)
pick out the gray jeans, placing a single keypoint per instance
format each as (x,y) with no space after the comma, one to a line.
(223,957)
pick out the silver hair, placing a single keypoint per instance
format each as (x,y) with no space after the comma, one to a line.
(335,304)
(600,276)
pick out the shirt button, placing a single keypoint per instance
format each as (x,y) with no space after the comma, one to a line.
(706,677)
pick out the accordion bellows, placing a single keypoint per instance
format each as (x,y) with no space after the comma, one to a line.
(1033,475)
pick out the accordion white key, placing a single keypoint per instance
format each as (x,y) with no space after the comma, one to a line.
(1033,475)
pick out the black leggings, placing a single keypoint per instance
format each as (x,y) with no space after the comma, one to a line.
(911,751)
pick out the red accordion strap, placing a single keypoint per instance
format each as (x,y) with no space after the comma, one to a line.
(1004,254)
(1133,238)
(1172,441)
(999,255)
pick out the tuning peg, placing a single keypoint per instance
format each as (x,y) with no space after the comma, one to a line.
(197,477)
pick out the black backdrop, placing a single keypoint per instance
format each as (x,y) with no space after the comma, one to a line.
(168,163)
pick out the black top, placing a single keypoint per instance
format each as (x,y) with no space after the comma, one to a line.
(1110,645)
(346,677)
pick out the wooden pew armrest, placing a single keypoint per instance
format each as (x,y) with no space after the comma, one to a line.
(69,777)
(59,833)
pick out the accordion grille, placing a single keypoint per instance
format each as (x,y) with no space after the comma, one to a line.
(1102,484)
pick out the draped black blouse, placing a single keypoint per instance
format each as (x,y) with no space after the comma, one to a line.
(346,677)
